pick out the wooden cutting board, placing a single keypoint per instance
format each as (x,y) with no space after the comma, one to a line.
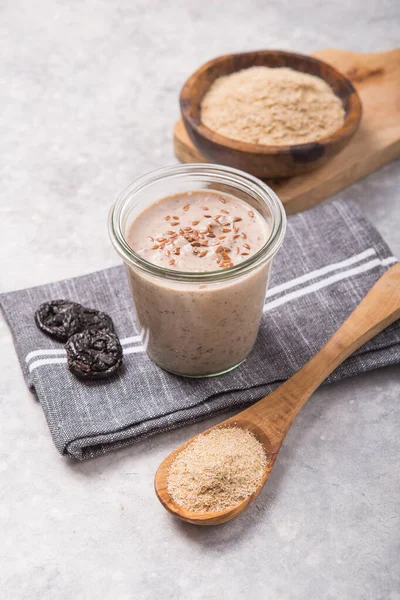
(377,142)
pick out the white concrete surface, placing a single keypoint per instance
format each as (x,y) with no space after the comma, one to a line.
(88,98)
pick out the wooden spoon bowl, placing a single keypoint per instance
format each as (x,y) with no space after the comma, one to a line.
(212,518)
(262,160)
(270,418)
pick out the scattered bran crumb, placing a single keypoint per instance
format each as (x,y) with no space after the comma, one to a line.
(217,470)
(272,106)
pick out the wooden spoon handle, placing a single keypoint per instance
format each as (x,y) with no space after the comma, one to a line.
(379,308)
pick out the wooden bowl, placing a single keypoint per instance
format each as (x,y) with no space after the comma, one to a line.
(258,159)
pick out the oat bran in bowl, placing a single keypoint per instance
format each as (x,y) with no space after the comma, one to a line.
(271,113)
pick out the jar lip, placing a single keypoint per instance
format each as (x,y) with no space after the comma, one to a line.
(219,174)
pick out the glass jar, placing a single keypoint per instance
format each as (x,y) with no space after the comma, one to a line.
(198,324)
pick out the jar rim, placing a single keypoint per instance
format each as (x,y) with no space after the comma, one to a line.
(217,174)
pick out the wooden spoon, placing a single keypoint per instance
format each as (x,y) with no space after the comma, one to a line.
(270,418)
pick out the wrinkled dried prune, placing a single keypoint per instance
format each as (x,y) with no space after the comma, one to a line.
(58,318)
(63,318)
(93,354)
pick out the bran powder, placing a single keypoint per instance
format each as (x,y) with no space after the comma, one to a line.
(268,106)
(217,470)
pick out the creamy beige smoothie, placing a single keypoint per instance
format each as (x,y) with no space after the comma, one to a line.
(198,329)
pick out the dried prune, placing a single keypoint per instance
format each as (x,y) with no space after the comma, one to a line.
(63,318)
(58,318)
(93,354)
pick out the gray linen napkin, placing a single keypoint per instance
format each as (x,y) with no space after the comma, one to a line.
(330,258)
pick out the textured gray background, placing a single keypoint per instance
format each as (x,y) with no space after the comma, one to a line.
(88,98)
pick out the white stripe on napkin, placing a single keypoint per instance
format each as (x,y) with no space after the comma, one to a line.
(52,351)
(390,260)
(62,361)
(134,350)
(131,340)
(323,271)
(314,287)
(47,361)
(325,282)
